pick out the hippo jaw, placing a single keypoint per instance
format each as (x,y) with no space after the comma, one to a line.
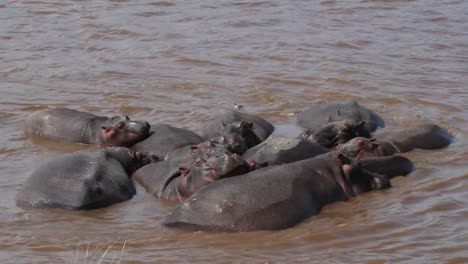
(123,132)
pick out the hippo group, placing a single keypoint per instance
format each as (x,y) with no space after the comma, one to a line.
(237,175)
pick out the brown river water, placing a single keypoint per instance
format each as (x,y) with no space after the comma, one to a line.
(183,62)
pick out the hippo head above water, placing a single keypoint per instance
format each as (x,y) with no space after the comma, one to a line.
(360,147)
(238,136)
(359,179)
(121,131)
(213,167)
(336,133)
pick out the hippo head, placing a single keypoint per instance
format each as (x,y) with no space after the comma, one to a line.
(123,132)
(336,133)
(214,168)
(357,179)
(238,136)
(362,148)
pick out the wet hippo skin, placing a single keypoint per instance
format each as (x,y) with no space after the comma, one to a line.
(81,127)
(261,127)
(421,136)
(164,139)
(275,197)
(86,179)
(334,123)
(277,150)
(181,175)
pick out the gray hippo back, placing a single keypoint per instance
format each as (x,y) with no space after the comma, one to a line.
(83,180)
(274,197)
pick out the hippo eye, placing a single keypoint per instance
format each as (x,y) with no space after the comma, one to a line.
(121,124)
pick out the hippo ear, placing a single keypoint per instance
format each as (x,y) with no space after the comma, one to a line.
(361,124)
(344,159)
(306,134)
(374,142)
(244,124)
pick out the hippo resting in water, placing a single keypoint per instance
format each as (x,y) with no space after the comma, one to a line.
(86,179)
(188,169)
(422,136)
(164,139)
(335,123)
(400,140)
(277,150)
(233,124)
(80,127)
(276,197)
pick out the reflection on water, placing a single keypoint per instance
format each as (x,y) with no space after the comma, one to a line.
(183,63)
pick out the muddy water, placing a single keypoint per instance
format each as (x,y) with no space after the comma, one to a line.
(183,62)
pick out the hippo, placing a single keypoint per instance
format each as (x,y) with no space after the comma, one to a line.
(334,123)
(176,179)
(275,197)
(87,179)
(237,136)
(81,127)
(421,136)
(360,147)
(163,139)
(277,150)
(260,126)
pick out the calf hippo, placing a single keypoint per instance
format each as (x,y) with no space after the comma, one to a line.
(277,150)
(260,126)
(421,136)
(164,139)
(188,169)
(80,127)
(86,179)
(334,123)
(275,197)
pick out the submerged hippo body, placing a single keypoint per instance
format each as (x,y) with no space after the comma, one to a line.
(422,136)
(164,139)
(275,197)
(81,127)
(261,127)
(188,169)
(85,179)
(277,150)
(334,123)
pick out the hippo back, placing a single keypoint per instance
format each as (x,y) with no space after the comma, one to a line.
(82,180)
(277,150)
(164,139)
(59,124)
